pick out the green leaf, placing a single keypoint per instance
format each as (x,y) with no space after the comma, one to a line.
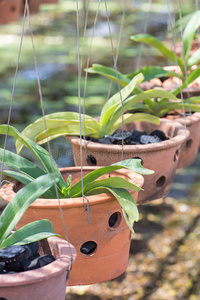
(40,153)
(59,124)
(111,74)
(152,72)
(111,182)
(130,118)
(189,34)
(115,100)
(154,42)
(30,233)
(193,59)
(21,201)
(135,99)
(131,164)
(19,163)
(128,205)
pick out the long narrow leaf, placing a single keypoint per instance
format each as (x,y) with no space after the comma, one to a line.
(21,201)
(152,72)
(130,118)
(193,59)
(154,42)
(189,33)
(40,153)
(115,100)
(111,182)
(30,233)
(133,100)
(131,164)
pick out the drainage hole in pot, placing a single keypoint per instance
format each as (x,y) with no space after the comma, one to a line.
(176,155)
(114,220)
(189,143)
(12,9)
(160,182)
(138,158)
(1,298)
(88,248)
(91,160)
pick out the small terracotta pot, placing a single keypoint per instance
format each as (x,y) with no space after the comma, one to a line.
(161,157)
(34,6)
(110,257)
(10,11)
(48,282)
(189,151)
(49,1)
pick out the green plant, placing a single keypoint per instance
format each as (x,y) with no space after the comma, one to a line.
(27,172)
(68,123)
(15,209)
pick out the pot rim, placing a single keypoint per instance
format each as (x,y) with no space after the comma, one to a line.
(7,191)
(51,270)
(179,138)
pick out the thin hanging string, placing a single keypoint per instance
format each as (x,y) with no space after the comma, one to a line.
(185,66)
(144,31)
(119,43)
(174,45)
(84,34)
(12,95)
(79,107)
(43,113)
(115,67)
(88,62)
(198,30)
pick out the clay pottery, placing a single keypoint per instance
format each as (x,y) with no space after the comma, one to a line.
(34,6)
(49,1)
(10,11)
(101,238)
(161,157)
(48,282)
(189,151)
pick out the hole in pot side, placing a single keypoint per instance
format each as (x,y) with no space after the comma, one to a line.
(176,155)
(137,157)
(160,182)
(91,160)
(189,143)
(114,220)
(88,248)
(13,9)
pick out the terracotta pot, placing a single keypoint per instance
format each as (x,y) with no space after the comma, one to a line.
(10,11)
(49,1)
(189,151)
(48,282)
(34,6)
(110,257)
(161,157)
(171,83)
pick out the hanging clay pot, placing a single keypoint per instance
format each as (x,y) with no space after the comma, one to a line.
(189,151)
(48,282)
(34,6)
(49,1)
(102,238)
(161,157)
(10,11)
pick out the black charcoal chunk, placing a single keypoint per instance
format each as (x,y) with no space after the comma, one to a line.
(148,139)
(38,262)
(159,134)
